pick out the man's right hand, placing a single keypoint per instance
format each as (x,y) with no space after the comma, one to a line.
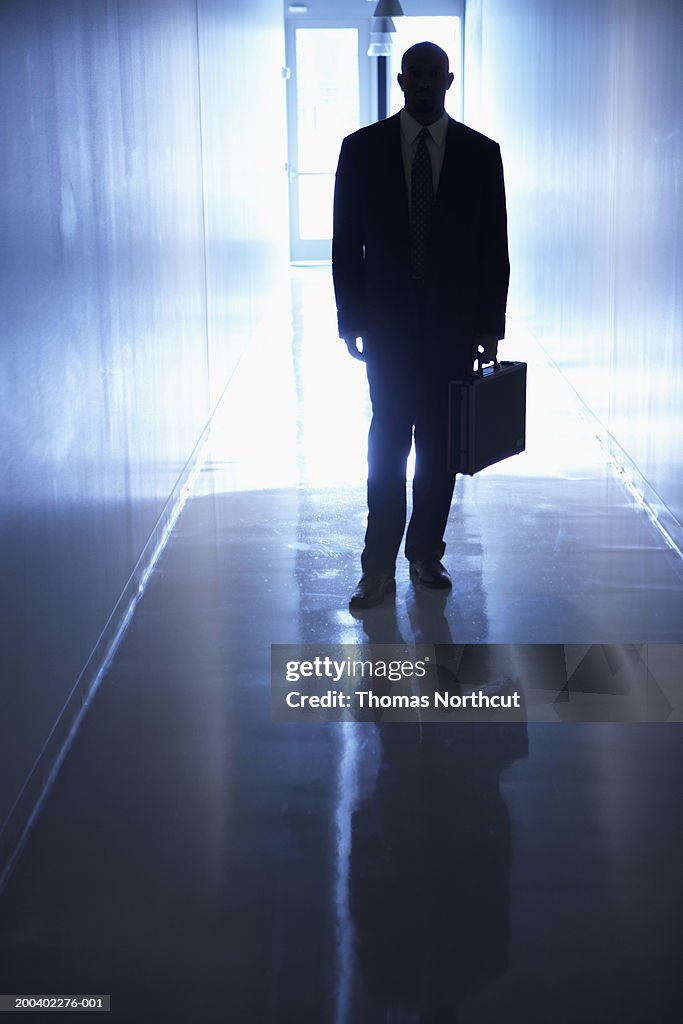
(352,345)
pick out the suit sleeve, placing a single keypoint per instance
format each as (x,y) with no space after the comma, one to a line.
(347,243)
(494,269)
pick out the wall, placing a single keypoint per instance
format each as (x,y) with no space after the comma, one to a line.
(585,99)
(134,262)
(242,56)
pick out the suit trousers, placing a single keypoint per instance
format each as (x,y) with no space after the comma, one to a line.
(409,395)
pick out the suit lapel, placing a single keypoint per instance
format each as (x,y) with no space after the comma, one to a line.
(450,179)
(394,179)
(395,173)
(451,170)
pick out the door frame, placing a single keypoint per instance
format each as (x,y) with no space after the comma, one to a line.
(318,250)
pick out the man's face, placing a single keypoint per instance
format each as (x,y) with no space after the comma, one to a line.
(424,82)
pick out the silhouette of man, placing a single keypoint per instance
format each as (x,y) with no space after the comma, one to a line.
(420,267)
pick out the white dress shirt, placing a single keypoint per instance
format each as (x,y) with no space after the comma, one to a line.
(436,145)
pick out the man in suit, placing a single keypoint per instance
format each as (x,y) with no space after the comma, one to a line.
(420,268)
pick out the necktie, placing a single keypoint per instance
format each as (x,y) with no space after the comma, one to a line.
(421,202)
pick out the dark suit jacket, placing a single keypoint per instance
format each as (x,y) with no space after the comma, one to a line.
(467,279)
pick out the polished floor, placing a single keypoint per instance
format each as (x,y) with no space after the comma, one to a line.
(199,862)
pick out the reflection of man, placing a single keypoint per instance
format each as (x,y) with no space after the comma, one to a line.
(420,266)
(429,879)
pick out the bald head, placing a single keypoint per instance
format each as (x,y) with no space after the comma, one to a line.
(422,51)
(424,81)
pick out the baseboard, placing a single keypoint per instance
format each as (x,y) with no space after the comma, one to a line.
(659,513)
(661,516)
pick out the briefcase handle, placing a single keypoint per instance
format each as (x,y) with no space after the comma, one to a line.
(480,366)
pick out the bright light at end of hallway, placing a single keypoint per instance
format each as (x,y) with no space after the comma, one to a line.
(297,410)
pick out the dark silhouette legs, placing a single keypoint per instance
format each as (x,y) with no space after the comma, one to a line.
(406,396)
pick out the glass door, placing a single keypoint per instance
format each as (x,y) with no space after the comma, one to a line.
(328,97)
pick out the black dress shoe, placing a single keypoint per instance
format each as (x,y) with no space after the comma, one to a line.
(372,588)
(430,573)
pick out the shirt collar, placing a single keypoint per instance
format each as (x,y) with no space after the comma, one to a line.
(412,128)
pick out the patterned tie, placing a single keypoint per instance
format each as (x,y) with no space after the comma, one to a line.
(421,202)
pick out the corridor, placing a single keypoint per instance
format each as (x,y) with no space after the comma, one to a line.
(183,458)
(195,860)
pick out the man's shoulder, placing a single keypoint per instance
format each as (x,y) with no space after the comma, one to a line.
(468,136)
(374,133)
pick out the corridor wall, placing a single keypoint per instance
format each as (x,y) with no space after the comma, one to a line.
(585,100)
(134,261)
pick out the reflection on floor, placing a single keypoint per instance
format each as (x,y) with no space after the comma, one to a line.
(200,862)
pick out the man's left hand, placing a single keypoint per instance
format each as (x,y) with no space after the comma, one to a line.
(489,344)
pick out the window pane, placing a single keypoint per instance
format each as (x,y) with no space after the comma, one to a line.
(327,88)
(316,195)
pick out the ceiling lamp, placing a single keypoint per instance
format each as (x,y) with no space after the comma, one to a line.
(388,9)
(382,27)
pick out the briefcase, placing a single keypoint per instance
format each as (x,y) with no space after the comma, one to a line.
(486,417)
